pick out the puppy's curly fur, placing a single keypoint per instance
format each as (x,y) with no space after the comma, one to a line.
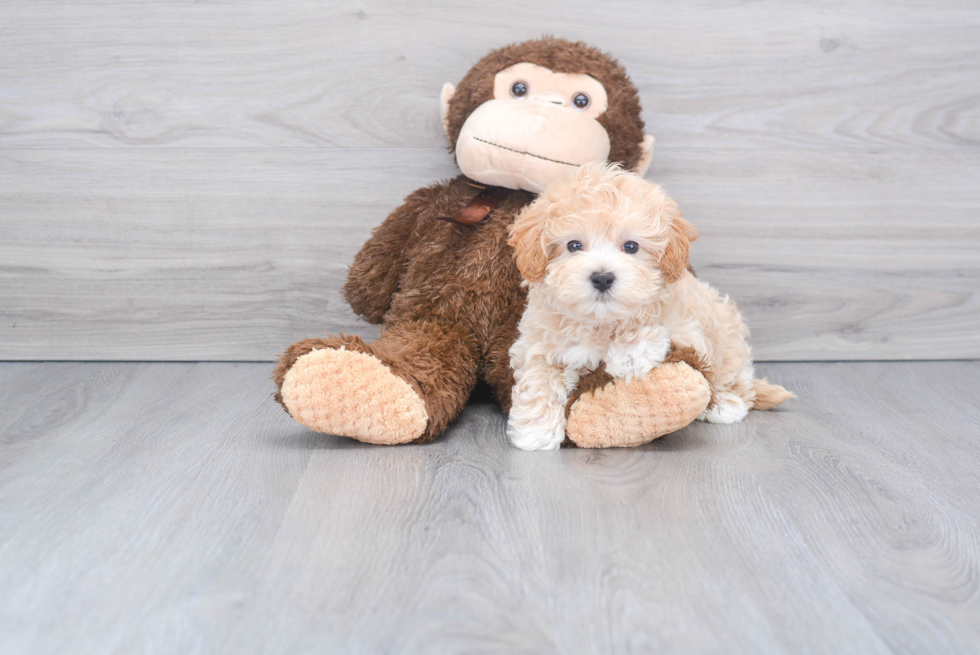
(605,257)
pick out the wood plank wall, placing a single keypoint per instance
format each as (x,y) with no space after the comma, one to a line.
(184,181)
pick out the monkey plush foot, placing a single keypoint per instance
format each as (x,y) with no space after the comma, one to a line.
(668,398)
(353,394)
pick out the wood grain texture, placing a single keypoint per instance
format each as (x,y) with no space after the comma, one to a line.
(174,508)
(187,181)
(190,255)
(367,74)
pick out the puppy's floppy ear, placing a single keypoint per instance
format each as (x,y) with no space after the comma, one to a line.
(676,256)
(526,238)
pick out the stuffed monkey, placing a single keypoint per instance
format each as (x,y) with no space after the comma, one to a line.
(439,276)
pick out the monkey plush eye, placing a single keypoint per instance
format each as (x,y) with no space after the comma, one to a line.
(518,90)
(575,246)
(580,100)
(630,247)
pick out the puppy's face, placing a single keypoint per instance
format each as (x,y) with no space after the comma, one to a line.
(602,243)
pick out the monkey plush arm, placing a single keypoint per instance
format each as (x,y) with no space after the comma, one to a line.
(374,276)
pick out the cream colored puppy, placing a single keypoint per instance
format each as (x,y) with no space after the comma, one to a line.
(605,257)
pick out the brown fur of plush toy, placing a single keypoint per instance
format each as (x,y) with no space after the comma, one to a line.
(622,120)
(450,298)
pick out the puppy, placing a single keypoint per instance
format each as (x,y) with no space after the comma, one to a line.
(605,257)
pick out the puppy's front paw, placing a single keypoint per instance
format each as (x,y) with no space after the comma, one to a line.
(636,359)
(531,438)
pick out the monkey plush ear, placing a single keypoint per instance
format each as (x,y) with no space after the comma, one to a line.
(676,257)
(646,146)
(526,238)
(448,91)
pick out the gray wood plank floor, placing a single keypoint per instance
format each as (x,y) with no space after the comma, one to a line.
(189,181)
(173,508)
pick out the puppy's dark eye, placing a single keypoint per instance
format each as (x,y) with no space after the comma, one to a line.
(575,246)
(518,89)
(630,247)
(580,100)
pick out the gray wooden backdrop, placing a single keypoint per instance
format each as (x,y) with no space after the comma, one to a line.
(183,181)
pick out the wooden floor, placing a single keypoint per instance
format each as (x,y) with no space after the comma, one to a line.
(174,508)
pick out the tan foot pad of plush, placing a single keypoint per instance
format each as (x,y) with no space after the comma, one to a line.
(620,414)
(353,394)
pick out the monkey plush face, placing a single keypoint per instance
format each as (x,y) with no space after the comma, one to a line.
(529,113)
(538,125)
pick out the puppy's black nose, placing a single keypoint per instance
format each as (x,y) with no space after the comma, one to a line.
(602,280)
